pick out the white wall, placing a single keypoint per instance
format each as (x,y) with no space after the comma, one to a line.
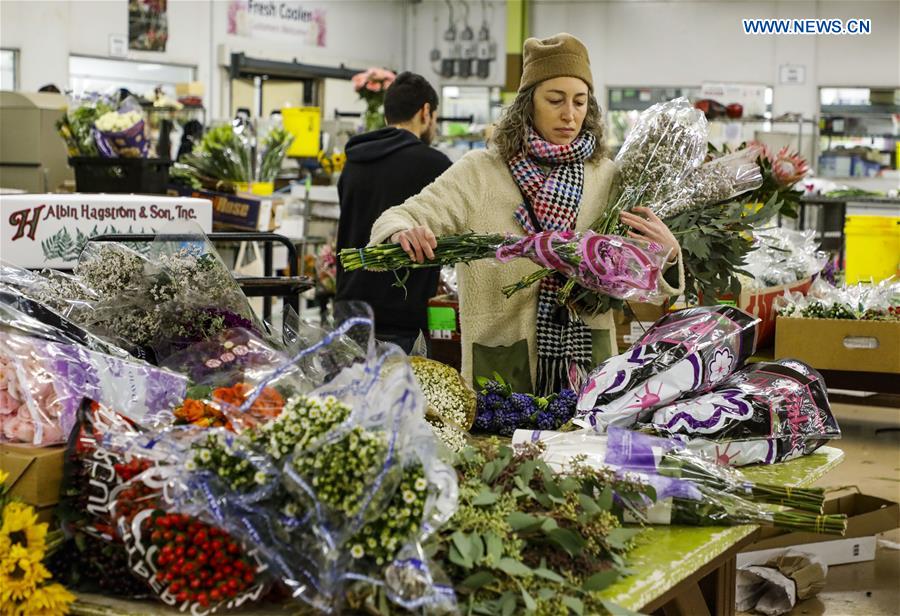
(361,33)
(683,43)
(428,20)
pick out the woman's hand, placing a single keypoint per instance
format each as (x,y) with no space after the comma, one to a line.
(418,242)
(649,227)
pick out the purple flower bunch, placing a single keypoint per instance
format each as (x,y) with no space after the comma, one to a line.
(502,411)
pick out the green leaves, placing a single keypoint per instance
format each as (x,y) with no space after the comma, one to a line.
(485,497)
(478,580)
(601,580)
(568,540)
(520,521)
(511,566)
(619,537)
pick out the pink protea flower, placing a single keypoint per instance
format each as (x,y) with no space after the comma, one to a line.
(788,167)
(762,150)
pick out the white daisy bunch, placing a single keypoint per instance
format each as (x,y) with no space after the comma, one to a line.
(381,539)
(227,456)
(303,420)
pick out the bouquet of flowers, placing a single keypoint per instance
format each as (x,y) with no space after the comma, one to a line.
(371,86)
(525,540)
(42,384)
(343,482)
(25,582)
(766,412)
(179,294)
(500,411)
(22,314)
(94,558)
(686,351)
(76,126)
(783,256)
(688,489)
(450,402)
(121,133)
(326,270)
(616,266)
(867,302)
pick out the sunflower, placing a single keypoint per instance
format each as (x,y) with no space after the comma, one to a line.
(20,574)
(20,527)
(3,477)
(50,600)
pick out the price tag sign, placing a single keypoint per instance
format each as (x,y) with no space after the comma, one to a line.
(441,318)
(118,45)
(791,74)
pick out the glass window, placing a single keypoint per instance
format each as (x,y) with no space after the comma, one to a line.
(105,76)
(9,74)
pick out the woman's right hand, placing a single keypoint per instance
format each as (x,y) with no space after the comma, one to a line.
(418,242)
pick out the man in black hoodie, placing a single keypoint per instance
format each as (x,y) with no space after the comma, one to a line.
(383,169)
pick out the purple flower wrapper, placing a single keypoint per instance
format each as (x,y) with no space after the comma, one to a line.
(764,413)
(686,351)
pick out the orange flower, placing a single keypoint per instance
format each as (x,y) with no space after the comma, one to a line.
(191,411)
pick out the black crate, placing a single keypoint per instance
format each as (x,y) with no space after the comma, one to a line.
(148,176)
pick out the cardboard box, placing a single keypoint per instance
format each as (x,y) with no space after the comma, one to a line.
(35,474)
(50,230)
(840,344)
(867,516)
(189,88)
(838,552)
(759,304)
(238,212)
(634,321)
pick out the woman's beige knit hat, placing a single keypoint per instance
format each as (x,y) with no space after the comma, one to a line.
(561,55)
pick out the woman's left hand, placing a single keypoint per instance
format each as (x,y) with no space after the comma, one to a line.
(649,227)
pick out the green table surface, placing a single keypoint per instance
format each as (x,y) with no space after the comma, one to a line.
(664,557)
(667,555)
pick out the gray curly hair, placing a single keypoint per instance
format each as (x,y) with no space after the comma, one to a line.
(511,130)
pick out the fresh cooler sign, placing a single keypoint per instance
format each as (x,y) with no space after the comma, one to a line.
(267,19)
(51,230)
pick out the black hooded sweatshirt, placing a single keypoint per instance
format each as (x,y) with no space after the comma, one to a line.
(383,169)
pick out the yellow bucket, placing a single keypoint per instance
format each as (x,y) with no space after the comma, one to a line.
(872,251)
(261,189)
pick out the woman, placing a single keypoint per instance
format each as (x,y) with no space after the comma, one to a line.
(548,151)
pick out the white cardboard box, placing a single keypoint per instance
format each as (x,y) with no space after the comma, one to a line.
(837,552)
(49,230)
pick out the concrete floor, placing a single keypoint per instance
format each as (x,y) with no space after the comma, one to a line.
(872,462)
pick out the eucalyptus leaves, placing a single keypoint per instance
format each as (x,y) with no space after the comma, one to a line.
(527,540)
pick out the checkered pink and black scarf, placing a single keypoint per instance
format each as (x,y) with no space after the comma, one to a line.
(552,203)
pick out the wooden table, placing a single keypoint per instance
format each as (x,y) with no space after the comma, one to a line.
(677,571)
(689,571)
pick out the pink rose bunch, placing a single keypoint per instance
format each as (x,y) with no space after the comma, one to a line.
(374,80)
(17,421)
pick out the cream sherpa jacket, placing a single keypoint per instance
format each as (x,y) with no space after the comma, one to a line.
(478,194)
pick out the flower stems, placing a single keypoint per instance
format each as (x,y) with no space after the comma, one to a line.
(450,250)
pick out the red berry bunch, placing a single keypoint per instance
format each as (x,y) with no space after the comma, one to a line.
(198,562)
(133,499)
(133,467)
